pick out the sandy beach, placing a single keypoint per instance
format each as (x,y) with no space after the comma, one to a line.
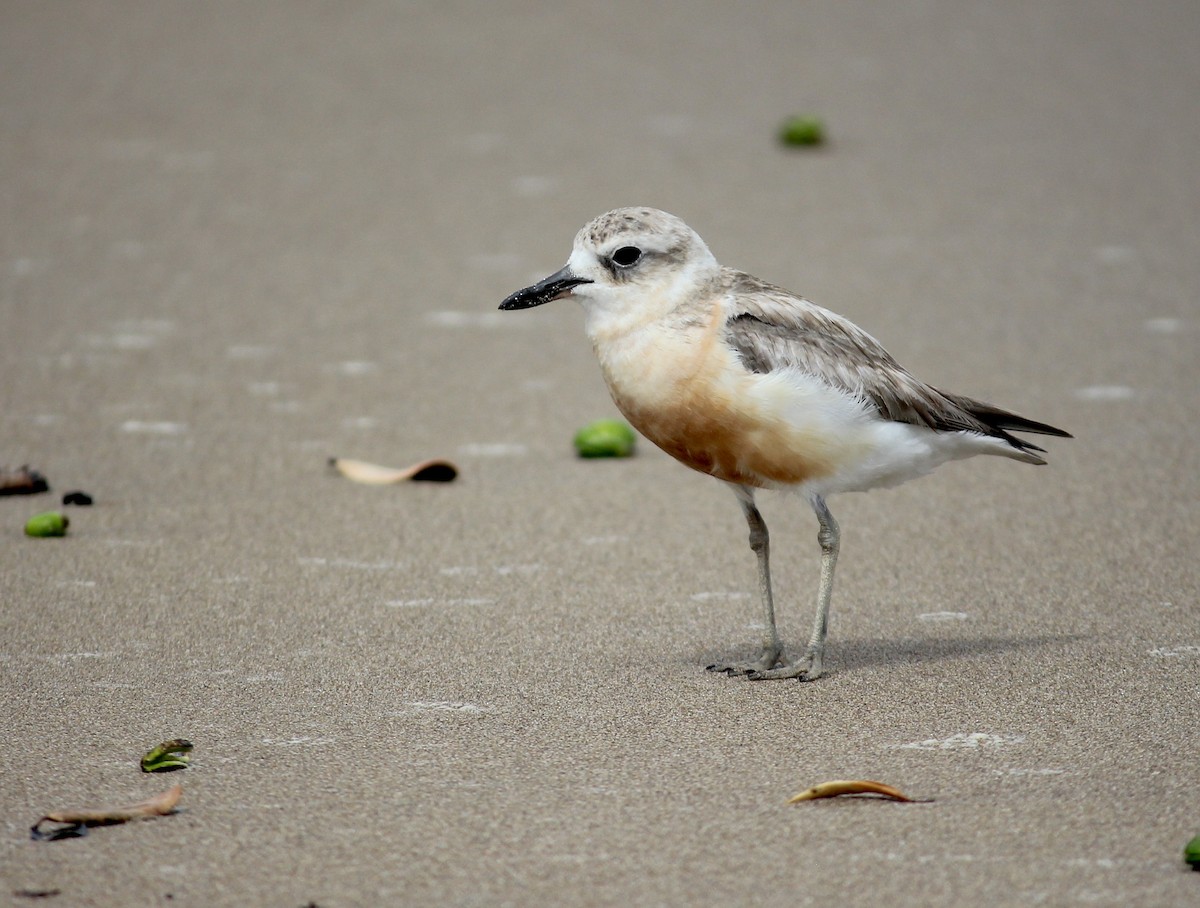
(241,238)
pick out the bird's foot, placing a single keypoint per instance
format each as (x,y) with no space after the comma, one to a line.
(770,659)
(801,670)
(747,667)
(771,667)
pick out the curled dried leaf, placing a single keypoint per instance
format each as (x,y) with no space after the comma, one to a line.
(22,481)
(77,821)
(376,475)
(849,787)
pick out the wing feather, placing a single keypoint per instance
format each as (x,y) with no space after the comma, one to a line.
(771,329)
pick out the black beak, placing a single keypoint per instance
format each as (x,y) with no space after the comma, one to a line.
(554,287)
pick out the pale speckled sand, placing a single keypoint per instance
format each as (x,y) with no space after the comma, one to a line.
(240,238)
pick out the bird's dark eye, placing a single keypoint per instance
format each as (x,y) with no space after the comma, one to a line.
(627,256)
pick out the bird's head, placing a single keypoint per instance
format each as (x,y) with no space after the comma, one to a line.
(636,263)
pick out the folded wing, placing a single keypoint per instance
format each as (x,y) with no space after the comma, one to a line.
(771,329)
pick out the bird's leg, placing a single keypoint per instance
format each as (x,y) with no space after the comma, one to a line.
(760,544)
(830,538)
(809,668)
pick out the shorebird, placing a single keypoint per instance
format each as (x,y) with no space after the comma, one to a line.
(760,388)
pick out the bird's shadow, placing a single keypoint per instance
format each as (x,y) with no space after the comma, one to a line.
(884,651)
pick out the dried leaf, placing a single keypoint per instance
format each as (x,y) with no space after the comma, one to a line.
(22,481)
(78,820)
(376,475)
(850,787)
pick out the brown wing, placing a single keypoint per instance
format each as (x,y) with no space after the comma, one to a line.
(772,329)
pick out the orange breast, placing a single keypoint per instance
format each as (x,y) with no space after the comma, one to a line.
(685,390)
(721,420)
(712,434)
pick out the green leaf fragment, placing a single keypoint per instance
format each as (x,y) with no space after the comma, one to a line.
(802,130)
(168,756)
(51,523)
(1191,853)
(605,438)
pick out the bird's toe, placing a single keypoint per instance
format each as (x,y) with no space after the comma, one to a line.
(801,670)
(749,668)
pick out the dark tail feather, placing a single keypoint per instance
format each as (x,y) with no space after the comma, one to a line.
(1003,419)
(1002,422)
